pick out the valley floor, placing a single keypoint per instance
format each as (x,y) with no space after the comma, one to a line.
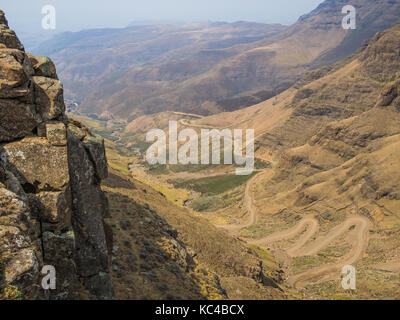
(310,246)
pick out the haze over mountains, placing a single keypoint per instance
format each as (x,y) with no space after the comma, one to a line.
(325,106)
(330,195)
(206,69)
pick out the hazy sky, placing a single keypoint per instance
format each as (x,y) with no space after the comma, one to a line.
(25,15)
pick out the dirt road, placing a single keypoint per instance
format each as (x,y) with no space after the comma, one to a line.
(250,208)
(358,240)
(307,228)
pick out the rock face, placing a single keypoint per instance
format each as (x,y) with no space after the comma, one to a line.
(51,204)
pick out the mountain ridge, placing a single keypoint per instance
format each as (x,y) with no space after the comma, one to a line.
(206,80)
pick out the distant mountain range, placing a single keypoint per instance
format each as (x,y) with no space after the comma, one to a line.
(333,144)
(205,68)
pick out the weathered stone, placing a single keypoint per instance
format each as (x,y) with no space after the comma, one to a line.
(87,216)
(56,133)
(3,19)
(17,248)
(3,175)
(41,130)
(14,185)
(18,112)
(49,97)
(100,286)
(105,205)
(59,253)
(43,66)
(15,211)
(12,238)
(38,165)
(53,208)
(109,238)
(97,153)
(51,204)
(76,131)
(12,72)
(22,268)
(15,74)
(7,36)
(17,119)
(389,94)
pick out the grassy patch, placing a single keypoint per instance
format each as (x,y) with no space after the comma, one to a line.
(261,164)
(258,230)
(11,293)
(213,185)
(213,203)
(268,259)
(307,262)
(335,251)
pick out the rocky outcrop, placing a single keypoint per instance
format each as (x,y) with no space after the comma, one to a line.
(52,206)
(7,36)
(390,95)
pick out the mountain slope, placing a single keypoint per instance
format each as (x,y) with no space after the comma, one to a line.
(330,194)
(213,264)
(382,15)
(219,75)
(93,55)
(333,140)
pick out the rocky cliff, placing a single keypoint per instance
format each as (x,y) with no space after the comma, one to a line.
(52,206)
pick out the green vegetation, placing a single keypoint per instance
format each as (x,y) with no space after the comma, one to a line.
(268,259)
(261,164)
(207,203)
(306,262)
(335,251)
(331,290)
(192,168)
(213,185)
(258,230)
(11,293)
(384,77)
(214,203)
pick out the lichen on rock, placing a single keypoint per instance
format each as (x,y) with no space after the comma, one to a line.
(51,204)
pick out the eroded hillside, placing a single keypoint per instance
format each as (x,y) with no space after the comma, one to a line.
(331,197)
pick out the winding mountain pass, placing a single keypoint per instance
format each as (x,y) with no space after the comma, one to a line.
(359,242)
(250,209)
(310,225)
(307,228)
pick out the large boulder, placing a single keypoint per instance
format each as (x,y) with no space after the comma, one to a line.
(49,97)
(88,210)
(13,73)
(56,133)
(96,150)
(53,209)
(18,112)
(59,250)
(38,165)
(43,66)
(17,119)
(389,94)
(19,252)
